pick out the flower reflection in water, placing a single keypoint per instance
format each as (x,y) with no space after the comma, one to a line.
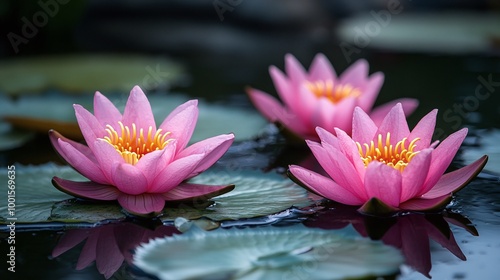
(409,233)
(109,245)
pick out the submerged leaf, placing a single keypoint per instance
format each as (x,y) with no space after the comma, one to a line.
(266,253)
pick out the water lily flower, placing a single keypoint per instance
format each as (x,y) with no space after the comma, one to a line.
(321,98)
(130,160)
(386,169)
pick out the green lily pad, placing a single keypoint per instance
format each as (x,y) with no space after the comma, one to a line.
(87,73)
(256,194)
(266,253)
(31,113)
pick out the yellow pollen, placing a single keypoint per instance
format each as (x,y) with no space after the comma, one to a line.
(397,156)
(133,144)
(333,92)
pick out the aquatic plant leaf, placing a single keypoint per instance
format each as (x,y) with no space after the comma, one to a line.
(266,253)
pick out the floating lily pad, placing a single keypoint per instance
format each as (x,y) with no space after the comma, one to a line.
(32,113)
(266,253)
(256,194)
(87,73)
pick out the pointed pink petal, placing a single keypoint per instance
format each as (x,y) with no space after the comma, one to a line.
(383,182)
(321,69)
(69,240)
(363,128)
(107,156)
(108,256)
(267,105)
(142,204)
(88,253)
(452,182)
(442,157)
(415,173)
(420,204)
(327,137)
(181,123)
(196,192)
(323,186)
(447,241)
(90,127)
(105,111)
(153,163)
(76,155)
(370,91)
(350,149)
(424,130)
(285,92)
(308,105)
(90,190)
(342,116)
(213,149)
(322,157)
(344,173)
(294,70)
(395,123)
(129,179)
(138,111)
(356,74)
(176,172)
(378,113)
(323,115)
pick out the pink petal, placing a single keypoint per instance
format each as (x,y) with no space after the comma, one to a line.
(424,130)
(350,149)
(69,240)
(323,186)
(415,244)
(452,182)
(294,70)
(421,204)
(213,149)
(447,241)
(345,174)
(181,123)
(285,92)
(77,155)
(442,157)
(153,163)
(88,253)
(196,192)
(138,111)
(395,123)
(323,115)
(383,182)
(105,111)
(327,137)
(370,91)
(356,74)
(308,105)
(108,256)
(266,104)
(321,69)
(378,114)
(129,179)
(107,156)
(90,190)
(415,173)
(176,172)
(89,125)
(342,116)
(322,157)
(142,204)
(363,128)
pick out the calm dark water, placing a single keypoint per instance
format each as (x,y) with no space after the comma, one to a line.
(437,81)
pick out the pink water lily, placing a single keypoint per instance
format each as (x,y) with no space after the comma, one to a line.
(128,159)
(387,168)
(321,98)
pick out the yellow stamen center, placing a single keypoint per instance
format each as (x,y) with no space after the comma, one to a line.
(397,156)
(132,144)
(333,92)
